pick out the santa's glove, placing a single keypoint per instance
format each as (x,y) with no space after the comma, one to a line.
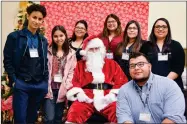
(82,97)
(109,98)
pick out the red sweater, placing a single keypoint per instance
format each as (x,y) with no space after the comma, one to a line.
(113,44)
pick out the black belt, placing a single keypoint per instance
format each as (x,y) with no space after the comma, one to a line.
(101,86)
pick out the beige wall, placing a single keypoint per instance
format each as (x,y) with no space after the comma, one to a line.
(175,12)
(9,12)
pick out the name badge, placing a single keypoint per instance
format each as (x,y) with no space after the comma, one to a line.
(162,57)
(33,53)
(125,56)
(145,117)
(109,55)
(58,78)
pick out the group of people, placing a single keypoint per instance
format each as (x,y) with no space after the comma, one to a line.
(116,74)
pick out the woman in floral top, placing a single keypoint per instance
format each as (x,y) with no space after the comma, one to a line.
(61,64)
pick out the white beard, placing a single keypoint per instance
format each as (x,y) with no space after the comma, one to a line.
(94,64)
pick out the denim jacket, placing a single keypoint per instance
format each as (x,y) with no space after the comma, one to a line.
(15,48)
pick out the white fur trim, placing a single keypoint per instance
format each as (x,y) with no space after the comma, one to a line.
(111,97)
(67,122)
(70,94)
(98,77)
(115,91)
(83,52)
(99,102)
(96,42)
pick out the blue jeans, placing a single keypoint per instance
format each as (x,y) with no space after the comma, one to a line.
(53,112)
(27,97)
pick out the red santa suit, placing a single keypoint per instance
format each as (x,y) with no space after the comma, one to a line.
(99,90)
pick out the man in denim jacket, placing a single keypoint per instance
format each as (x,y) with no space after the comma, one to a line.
(25,61)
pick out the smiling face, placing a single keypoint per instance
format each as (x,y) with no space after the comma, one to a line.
(59,38)
(35,19)
(112,24)
(160,29)
(80,30)
(132,31)
(139,68)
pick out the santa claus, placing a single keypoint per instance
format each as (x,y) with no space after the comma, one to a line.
(96,83)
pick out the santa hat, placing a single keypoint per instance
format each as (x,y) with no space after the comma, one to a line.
(91,42)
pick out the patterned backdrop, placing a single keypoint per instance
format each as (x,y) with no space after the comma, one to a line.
(67,13)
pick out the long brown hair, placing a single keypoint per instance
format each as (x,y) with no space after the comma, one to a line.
(138,41)
(65,46)
(106,32)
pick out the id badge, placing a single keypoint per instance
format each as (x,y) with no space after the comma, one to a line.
(58,78)
(125,56)
(109,55)
(145,117)
(162,57)
(33,53)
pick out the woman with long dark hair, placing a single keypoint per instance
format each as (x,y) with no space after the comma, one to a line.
(111,34)
(61,63)
(132,42)
(167,55)
(79,34)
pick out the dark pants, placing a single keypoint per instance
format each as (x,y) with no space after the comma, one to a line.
(27,97)
(53,111)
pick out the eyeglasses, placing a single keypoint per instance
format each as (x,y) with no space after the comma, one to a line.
(80,28)
(132,28)
(139,64)
(161,27)
(111,21)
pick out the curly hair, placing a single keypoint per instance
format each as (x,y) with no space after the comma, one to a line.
(37,7)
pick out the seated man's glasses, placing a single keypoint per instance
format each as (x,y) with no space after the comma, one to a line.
(139,64)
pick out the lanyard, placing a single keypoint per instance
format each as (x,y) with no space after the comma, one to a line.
(147,95)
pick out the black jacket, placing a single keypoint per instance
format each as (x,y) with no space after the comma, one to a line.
(175,63)
(15,48)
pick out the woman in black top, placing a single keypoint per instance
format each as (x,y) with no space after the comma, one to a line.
(167,56)
(132,42)
(79,34)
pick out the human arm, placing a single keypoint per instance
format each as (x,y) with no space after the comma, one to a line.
(46,72)
(167,121)
(68,81)
(174,103)
(128,122)
(50,93)
(76,92)
(123,111)
(172,75)
(177,60)
(145,48)
(8,53)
